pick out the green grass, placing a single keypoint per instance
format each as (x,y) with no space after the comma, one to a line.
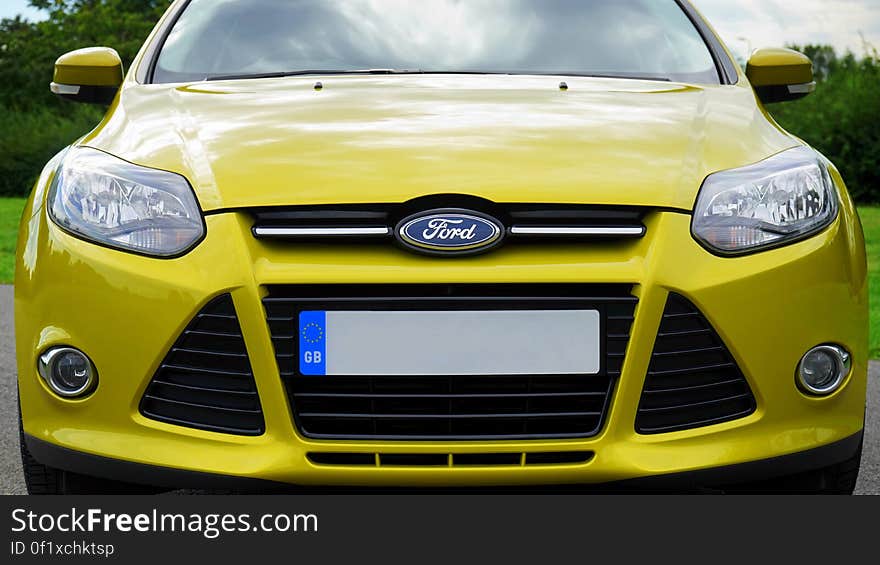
(871,223)
(10,213)
(11,208)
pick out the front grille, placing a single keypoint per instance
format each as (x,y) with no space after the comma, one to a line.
(206,381)
(693,380)
(524,222)
(450,407)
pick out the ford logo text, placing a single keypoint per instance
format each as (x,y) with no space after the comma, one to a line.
(450,232)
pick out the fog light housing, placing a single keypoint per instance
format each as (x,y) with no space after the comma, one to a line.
(823,369)
(68,372)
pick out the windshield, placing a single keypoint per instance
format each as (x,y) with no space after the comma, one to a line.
(651,39)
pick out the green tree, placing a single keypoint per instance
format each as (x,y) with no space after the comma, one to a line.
(34,124)
(824,59)
(842,118)
(28,49)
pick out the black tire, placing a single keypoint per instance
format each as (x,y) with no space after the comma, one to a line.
(42,479)
(840,479)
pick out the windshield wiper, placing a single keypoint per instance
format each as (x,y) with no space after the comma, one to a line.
(623,76)
(326,72)
(282,74)
(634,76)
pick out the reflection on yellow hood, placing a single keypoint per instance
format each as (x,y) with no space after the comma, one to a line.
(366,139)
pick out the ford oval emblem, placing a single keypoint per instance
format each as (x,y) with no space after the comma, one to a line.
(450,232)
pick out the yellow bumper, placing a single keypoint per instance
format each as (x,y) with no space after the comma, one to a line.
(126,311)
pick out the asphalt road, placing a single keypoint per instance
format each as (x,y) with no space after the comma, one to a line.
(11,481)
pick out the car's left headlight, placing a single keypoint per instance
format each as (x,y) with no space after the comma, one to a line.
(118,204)
(780,200)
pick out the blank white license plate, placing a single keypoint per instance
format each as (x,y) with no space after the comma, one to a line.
(522,342)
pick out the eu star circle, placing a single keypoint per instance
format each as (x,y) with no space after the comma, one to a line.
(312,333)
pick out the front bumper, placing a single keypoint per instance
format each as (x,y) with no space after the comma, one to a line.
(713,478)
(126,312)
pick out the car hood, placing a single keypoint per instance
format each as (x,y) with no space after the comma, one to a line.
(381,139)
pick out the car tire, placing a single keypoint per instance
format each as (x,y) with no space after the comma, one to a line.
(44,480)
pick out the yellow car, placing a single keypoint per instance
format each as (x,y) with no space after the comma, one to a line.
(439,244)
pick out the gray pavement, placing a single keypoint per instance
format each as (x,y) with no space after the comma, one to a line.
(11,481)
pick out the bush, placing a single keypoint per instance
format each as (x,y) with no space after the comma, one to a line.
(28,50)
(31,138)
(842,118)
(34,124)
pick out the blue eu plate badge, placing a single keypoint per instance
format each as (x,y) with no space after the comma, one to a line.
(313,343)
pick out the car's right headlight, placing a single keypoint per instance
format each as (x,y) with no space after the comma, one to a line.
(115,203)
(783,199)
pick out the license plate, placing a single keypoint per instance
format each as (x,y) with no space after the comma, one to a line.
(396,343)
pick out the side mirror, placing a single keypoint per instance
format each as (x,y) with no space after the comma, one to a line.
(92,75)
(779,75)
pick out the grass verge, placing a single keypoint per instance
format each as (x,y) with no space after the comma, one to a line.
(10,213)
(871,223)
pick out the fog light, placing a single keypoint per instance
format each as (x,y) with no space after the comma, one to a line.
(823,369)
(67,371)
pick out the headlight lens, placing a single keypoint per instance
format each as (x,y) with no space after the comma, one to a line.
(119,204)
(785,198)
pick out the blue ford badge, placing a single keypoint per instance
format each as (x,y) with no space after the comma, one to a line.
(450,232)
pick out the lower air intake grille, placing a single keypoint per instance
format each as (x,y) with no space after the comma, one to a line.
(456,407)
(693,380)
(451,460)
(206,381)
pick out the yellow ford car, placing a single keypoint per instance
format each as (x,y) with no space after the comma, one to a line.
(439,244)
